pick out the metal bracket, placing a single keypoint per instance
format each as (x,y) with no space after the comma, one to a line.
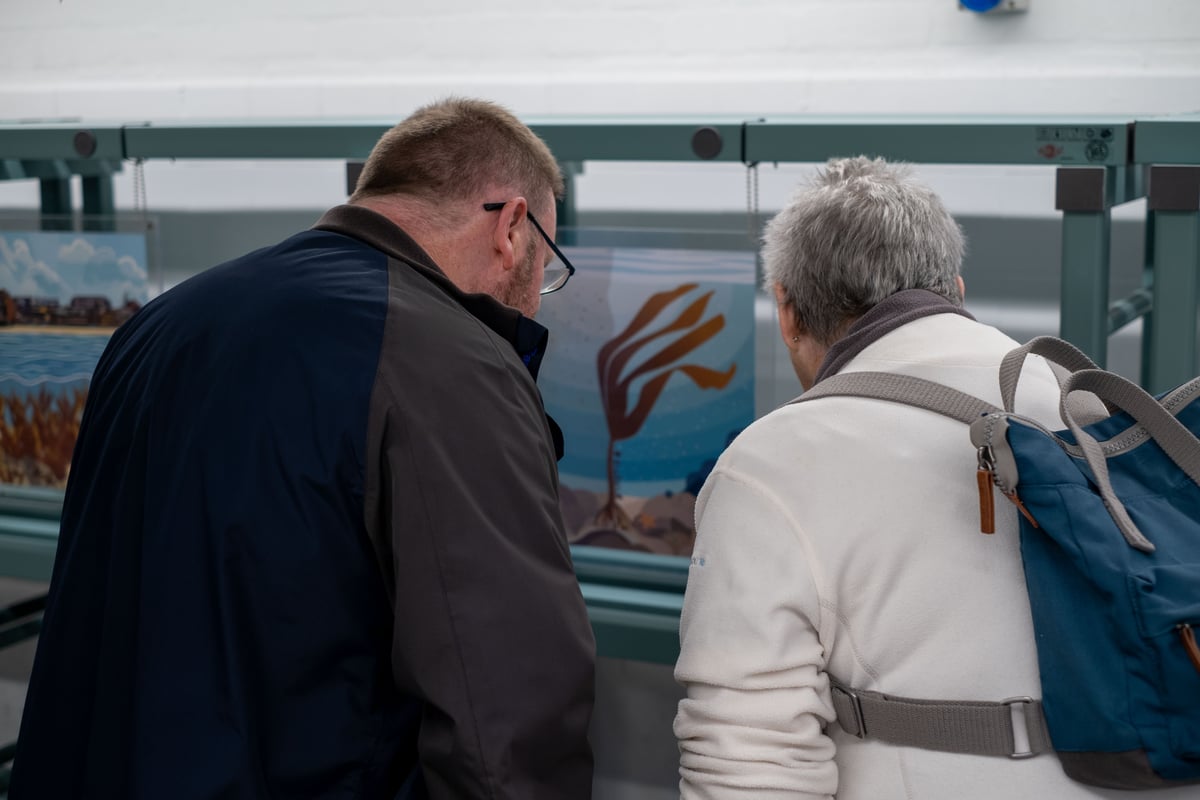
(1174,188)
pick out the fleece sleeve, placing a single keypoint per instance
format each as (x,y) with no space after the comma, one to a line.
(491,630)
(751,724)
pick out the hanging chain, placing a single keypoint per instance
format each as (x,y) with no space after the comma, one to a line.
(752,232)
(139,188)
(752,203)
(752,226)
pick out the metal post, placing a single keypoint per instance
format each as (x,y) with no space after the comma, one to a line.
(1175,203)
(1087,225)
(99,205)
(568,213)
(56,203)
(1148,287)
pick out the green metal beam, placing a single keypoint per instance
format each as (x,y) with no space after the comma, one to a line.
(48,141)
(12,170)
(1170,140)
(253,140)
(27,545)
(654,140)
(603,565)
(31,501)
(634,623)
(569,140)
(1102,141)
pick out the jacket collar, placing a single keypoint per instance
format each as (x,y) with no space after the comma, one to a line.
(527,337)
(890,313)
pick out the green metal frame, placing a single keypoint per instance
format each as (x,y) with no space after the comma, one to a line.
(634,599)
(1171,146)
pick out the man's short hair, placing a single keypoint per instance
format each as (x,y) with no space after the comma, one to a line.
(455,149)
(862,231)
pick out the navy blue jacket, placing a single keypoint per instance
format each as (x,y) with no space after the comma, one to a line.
(311,547)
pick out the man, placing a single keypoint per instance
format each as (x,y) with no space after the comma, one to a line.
(839,539)
(311,545)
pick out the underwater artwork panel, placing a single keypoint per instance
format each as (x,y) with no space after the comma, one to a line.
(650,374)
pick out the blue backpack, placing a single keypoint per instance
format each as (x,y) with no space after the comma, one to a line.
(1110,540)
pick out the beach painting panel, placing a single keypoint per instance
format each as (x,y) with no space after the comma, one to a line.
(650,374)
(62,294)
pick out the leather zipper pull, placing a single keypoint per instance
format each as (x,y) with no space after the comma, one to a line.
(987,503)
(985,478)
(1189,643)
(1016,501)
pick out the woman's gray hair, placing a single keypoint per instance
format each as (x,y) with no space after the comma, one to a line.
(862,231)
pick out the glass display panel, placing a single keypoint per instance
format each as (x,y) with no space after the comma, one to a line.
(65,286)
(650,373)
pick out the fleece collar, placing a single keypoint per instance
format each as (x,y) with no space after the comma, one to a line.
(899,309)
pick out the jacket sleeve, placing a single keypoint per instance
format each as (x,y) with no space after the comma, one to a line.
(751,724)
(491,630)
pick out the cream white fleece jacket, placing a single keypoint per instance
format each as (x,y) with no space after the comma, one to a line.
(841,537)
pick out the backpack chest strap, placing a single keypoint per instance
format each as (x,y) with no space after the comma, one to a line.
(1015,727)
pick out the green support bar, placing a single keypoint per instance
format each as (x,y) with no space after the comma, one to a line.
(1171,146)
(1175,208)
(28,545)
(1177,244)
(634,623)
(1084,281)
(1168,140)
(11,170)
(1086,195)
(56,203)
(566,208)
(99,204)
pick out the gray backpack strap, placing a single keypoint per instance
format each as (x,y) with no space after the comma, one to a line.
(1054,350)
(904,389)
(1169,433)
(1015,727)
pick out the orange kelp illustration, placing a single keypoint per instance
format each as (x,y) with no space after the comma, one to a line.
(37,436)
(617,353)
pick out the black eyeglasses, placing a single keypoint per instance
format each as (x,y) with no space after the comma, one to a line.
(557,272)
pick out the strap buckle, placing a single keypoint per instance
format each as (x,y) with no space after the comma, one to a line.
(1020,726)
(860,731)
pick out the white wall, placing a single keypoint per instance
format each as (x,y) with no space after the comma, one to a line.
(158,58)
(129,60)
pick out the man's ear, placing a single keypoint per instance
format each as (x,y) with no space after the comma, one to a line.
(510,224)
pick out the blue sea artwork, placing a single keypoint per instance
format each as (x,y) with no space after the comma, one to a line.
(650,374)
(61,296)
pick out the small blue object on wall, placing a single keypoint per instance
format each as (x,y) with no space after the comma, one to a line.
(994,6)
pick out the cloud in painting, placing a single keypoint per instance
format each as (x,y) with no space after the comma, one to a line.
(23,275)
(102,271)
